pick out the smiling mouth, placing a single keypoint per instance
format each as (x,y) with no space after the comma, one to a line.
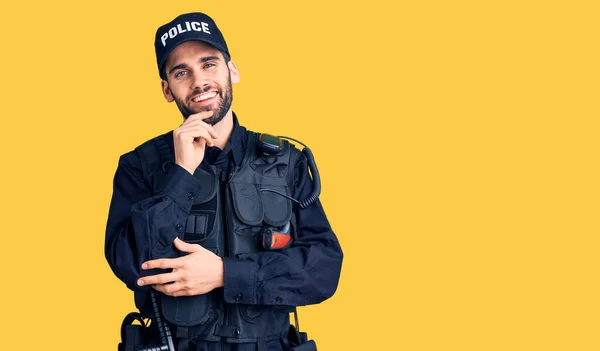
(204,96)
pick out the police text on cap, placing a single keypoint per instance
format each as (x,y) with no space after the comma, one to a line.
(195,26)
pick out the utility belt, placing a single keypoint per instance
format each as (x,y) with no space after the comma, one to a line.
(141,333)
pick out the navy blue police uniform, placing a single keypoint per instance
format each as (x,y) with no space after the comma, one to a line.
(221,207)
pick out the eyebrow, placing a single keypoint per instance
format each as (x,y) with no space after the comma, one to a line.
(202,60)
(209,58)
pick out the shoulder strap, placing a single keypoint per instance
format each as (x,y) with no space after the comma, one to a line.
(251,147)
(294,154)
(165,152)
(155,154)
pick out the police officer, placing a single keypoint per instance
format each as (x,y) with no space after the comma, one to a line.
(209,218)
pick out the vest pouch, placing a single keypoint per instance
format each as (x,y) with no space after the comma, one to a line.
(245,218)
(299,341)
(202,224)
(189,311)
(277,208)
(201,228)
(255,203)
(133,335)
(199,309)
(254,208)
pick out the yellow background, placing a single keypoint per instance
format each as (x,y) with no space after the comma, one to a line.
(456,140)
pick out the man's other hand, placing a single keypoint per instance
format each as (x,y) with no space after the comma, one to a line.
(197,273)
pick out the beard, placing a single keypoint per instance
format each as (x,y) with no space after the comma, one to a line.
(219,108)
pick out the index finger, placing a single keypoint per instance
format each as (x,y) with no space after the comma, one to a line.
(162,263)
(163,278)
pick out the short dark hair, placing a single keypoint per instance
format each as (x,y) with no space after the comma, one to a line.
(163,70)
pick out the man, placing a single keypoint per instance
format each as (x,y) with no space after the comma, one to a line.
(203,214)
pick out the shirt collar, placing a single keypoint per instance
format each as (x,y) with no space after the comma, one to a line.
(237,141)
(236,145)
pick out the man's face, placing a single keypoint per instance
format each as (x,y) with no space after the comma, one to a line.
(198,79)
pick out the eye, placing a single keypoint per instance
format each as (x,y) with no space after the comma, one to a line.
(209,65)
(180,74)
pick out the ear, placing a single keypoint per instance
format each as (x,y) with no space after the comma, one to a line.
(233,72)
(166,91)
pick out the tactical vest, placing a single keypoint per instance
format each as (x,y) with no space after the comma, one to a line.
(227,217)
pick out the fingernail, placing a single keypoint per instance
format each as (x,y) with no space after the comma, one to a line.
(144,266)
(140,282)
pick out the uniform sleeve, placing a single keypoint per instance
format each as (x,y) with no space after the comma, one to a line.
(305,273)
(142,225)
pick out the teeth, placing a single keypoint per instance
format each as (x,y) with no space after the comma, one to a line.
(204,96)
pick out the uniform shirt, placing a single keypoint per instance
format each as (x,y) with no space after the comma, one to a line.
(142,226)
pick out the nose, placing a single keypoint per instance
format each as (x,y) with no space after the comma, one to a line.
(200,81)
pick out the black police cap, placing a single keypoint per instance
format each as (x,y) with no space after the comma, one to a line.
(186,27)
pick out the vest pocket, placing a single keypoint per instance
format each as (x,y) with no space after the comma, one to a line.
(247,203)
(256,209)
(188,311)
(255,203)
(197,226)
(201,228)
(277,208)
(201,225)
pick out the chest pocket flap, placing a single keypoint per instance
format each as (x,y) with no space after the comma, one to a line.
(209,185)
(254,204)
